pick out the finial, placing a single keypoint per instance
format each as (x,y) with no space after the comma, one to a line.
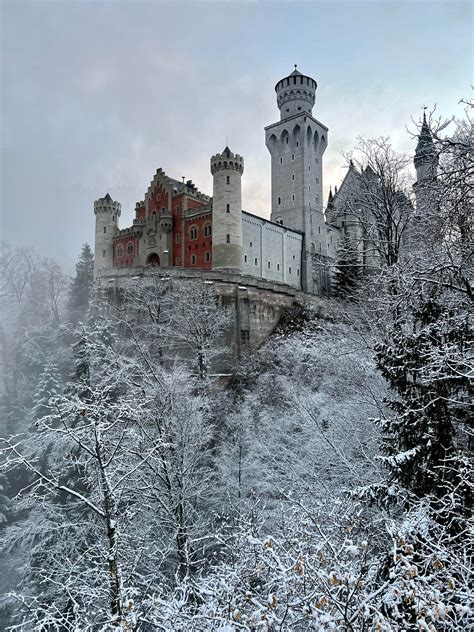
(296,66)
(182,177)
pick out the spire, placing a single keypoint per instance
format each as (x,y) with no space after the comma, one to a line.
(227,151)
(425,147)
(330,198)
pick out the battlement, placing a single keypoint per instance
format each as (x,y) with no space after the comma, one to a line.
(227,160)
(107,205)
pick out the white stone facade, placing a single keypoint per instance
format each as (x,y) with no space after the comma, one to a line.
(271,251)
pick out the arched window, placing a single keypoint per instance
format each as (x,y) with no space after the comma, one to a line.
(207,229)
(193,233)
(193,260)
(130,248)
(119,251)
(207,256)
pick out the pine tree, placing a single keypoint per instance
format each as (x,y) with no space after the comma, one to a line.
(81,285)
(425,360)
(49,386)
(347,270)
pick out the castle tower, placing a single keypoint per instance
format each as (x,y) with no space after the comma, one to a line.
(106,213)
(227,169)
(296,144)
(426,165)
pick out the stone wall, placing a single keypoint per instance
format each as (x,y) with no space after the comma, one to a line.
(255,305)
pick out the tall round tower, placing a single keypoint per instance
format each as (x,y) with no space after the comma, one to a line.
(106,213)
(227,169)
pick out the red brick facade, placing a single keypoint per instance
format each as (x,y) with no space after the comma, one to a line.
(191,238)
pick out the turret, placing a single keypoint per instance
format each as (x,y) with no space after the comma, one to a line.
(295,94)
(426,160)
(227,169)
(426,165)
(106,213)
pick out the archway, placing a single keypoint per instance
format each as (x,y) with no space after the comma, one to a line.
(153,259)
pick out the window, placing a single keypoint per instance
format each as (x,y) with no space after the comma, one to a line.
(113,218)
(158,197)
(281,161)
(130,249)
(292,156)
(293,177)
(227,180)
(245,258)
(294,257)
(269,265)
(292,198)
(105,229)
(207,256)
(207,230)
(119,251)
(251,244)
(278,267)
(227,238)
(103,253)
(193,259)
(245,335)
(176,261)
(256,261)
(278,200)
(193,232)
(227,210)
(177,238)
(297,143)
(297,272)
(287,136)
(289,270)
(309,168)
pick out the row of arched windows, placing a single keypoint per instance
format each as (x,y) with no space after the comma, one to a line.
(194,231)
(130,249)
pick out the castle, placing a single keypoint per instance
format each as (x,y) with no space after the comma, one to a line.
(176,226)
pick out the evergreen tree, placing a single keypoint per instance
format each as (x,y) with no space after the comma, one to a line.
(425,360)
(347,270)
(81,285)
(49,386)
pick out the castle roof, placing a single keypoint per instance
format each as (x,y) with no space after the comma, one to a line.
(425,140)
(107,198)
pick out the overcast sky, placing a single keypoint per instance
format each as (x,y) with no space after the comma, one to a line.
(95,96)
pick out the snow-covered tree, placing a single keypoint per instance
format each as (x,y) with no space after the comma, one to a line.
(49,386)
(347,270)
(80,291)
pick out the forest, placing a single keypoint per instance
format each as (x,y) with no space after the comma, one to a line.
(327,486)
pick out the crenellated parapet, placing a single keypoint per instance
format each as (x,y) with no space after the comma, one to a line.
(295,94)
(107,205)
(227,161)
